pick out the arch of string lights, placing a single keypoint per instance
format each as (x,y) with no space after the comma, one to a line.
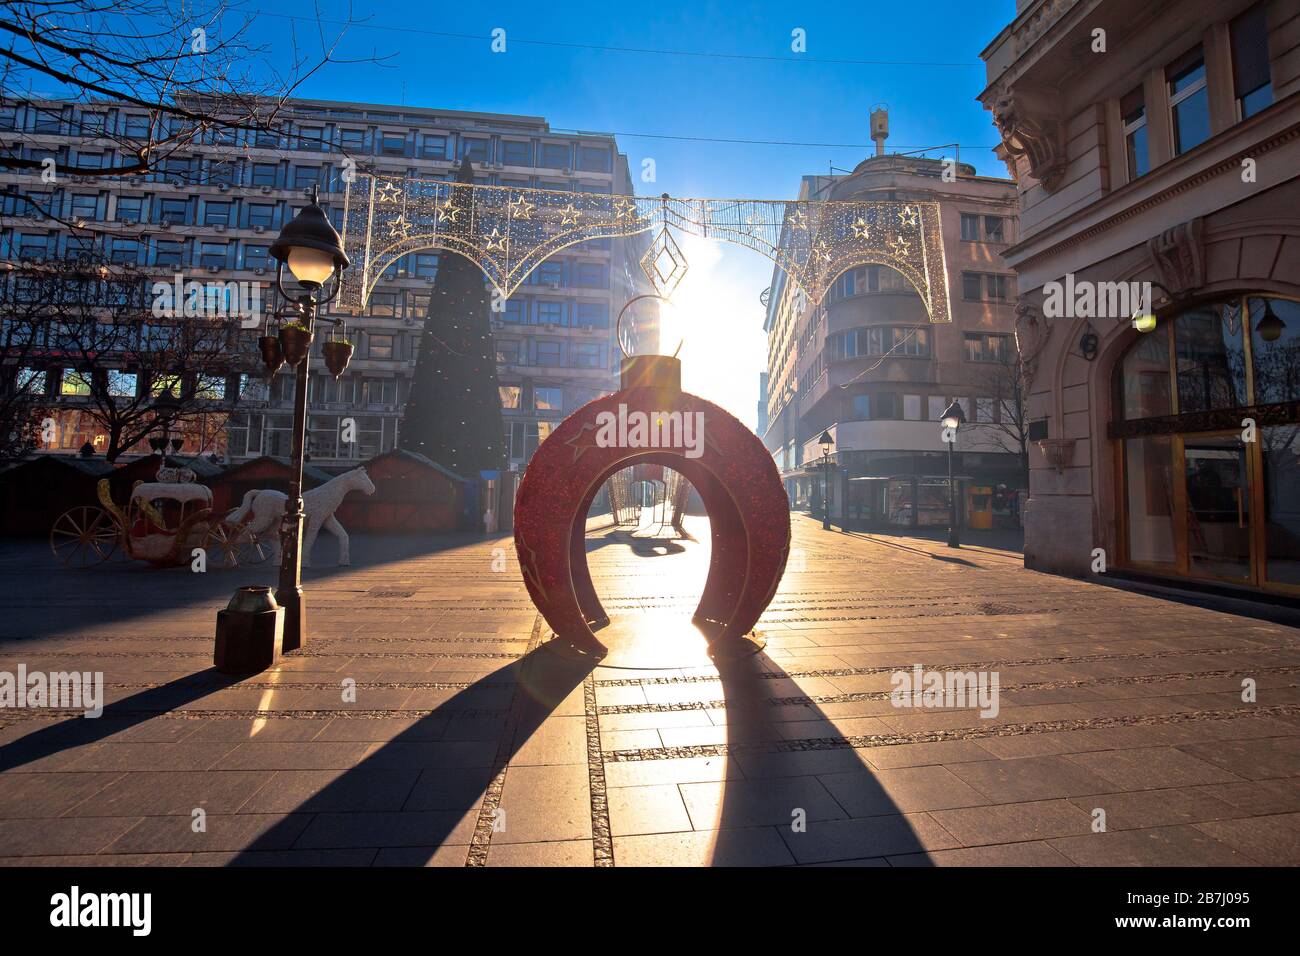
(509,231)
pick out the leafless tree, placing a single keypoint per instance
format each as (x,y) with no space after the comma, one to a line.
(191,67)
(117,358)
(1007,383)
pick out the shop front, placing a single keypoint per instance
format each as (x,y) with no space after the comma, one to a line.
(1207,445)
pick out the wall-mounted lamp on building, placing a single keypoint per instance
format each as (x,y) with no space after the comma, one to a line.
(1144,317)
(1089,343)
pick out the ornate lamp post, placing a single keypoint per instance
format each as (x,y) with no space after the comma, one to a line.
(826,442)
(313,251)
(953,419)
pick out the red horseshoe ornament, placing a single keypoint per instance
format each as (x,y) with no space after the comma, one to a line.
(748,510)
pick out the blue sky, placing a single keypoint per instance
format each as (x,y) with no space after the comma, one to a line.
(804,100)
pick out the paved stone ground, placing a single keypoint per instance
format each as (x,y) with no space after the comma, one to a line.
(468,744)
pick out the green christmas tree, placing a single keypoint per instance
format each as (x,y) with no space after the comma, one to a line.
(453,411)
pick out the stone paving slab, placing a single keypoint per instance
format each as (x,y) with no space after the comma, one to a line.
(469,743)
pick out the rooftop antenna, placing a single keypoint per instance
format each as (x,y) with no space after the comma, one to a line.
(880,126)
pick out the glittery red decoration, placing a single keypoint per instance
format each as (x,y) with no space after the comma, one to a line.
(735,476)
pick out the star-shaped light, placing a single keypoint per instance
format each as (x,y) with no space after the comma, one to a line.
(447,211)
(756,223)
(400,226)
(569,215)
(497,242)
(521,208)
(624,208)
(860,228)
(389,193)
(822,251)
(908,216)
(799,219)
(900,246)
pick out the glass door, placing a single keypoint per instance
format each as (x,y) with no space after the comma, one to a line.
(1217,495)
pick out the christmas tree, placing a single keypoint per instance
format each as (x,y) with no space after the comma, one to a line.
(453,411)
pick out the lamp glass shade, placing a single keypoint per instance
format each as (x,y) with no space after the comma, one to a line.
(1270,327)
(1144,322)
(951,421)
(954,416)
(311,266)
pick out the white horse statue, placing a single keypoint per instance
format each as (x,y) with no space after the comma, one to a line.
(262,509)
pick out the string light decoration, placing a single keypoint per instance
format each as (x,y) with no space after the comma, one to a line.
(509,231)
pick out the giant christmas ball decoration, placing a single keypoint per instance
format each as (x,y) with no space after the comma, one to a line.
(651,420)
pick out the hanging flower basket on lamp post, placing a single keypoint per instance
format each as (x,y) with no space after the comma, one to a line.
(337,352)
(295,342)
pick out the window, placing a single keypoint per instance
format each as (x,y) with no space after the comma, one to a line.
(515,153)
(550,313)
(305,176)
(210,387)
(991,287)
(85,207)
(214,254)
(982,347)
(265,174)
(507,351)
(426,264)
(993,230)
(591,275)
(554,156)
(1250,69)
(591,315)
(312,138)
(392,144)
(996,287)
(174,211)
(914,342)
(261,214)
(548,399)
(386,305)
(970,227)
(130,207)
(1133,114)
(1189,101)
(378,391)
(509,396)
(984,413)
(1145,376)
(586,354)
(912,408)
(474,149)
(594,159)
(884,407)
(515,311)
(548,353)
(168,252)
(216,213)
(125,251)
(935,407)
(862,407)
(74,382)
(381,346)
(433,146)
(255,257)
(549,273)
(136,127)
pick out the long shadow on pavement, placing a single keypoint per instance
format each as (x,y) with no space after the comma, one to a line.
(441,807)
(853,818)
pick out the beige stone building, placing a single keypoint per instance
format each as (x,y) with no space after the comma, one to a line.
(1158,142)
(867,365)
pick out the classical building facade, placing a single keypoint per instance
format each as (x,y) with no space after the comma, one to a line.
(1158,143)
(211,211)
(868,366)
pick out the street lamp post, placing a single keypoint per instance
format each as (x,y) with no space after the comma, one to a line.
(826,442)
(953,418)
(313,251)
(165,409)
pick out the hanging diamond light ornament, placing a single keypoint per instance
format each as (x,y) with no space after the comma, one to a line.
(664,264)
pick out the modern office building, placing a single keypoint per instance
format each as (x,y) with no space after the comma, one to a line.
(869,367)
(1171,158)
(210,211)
